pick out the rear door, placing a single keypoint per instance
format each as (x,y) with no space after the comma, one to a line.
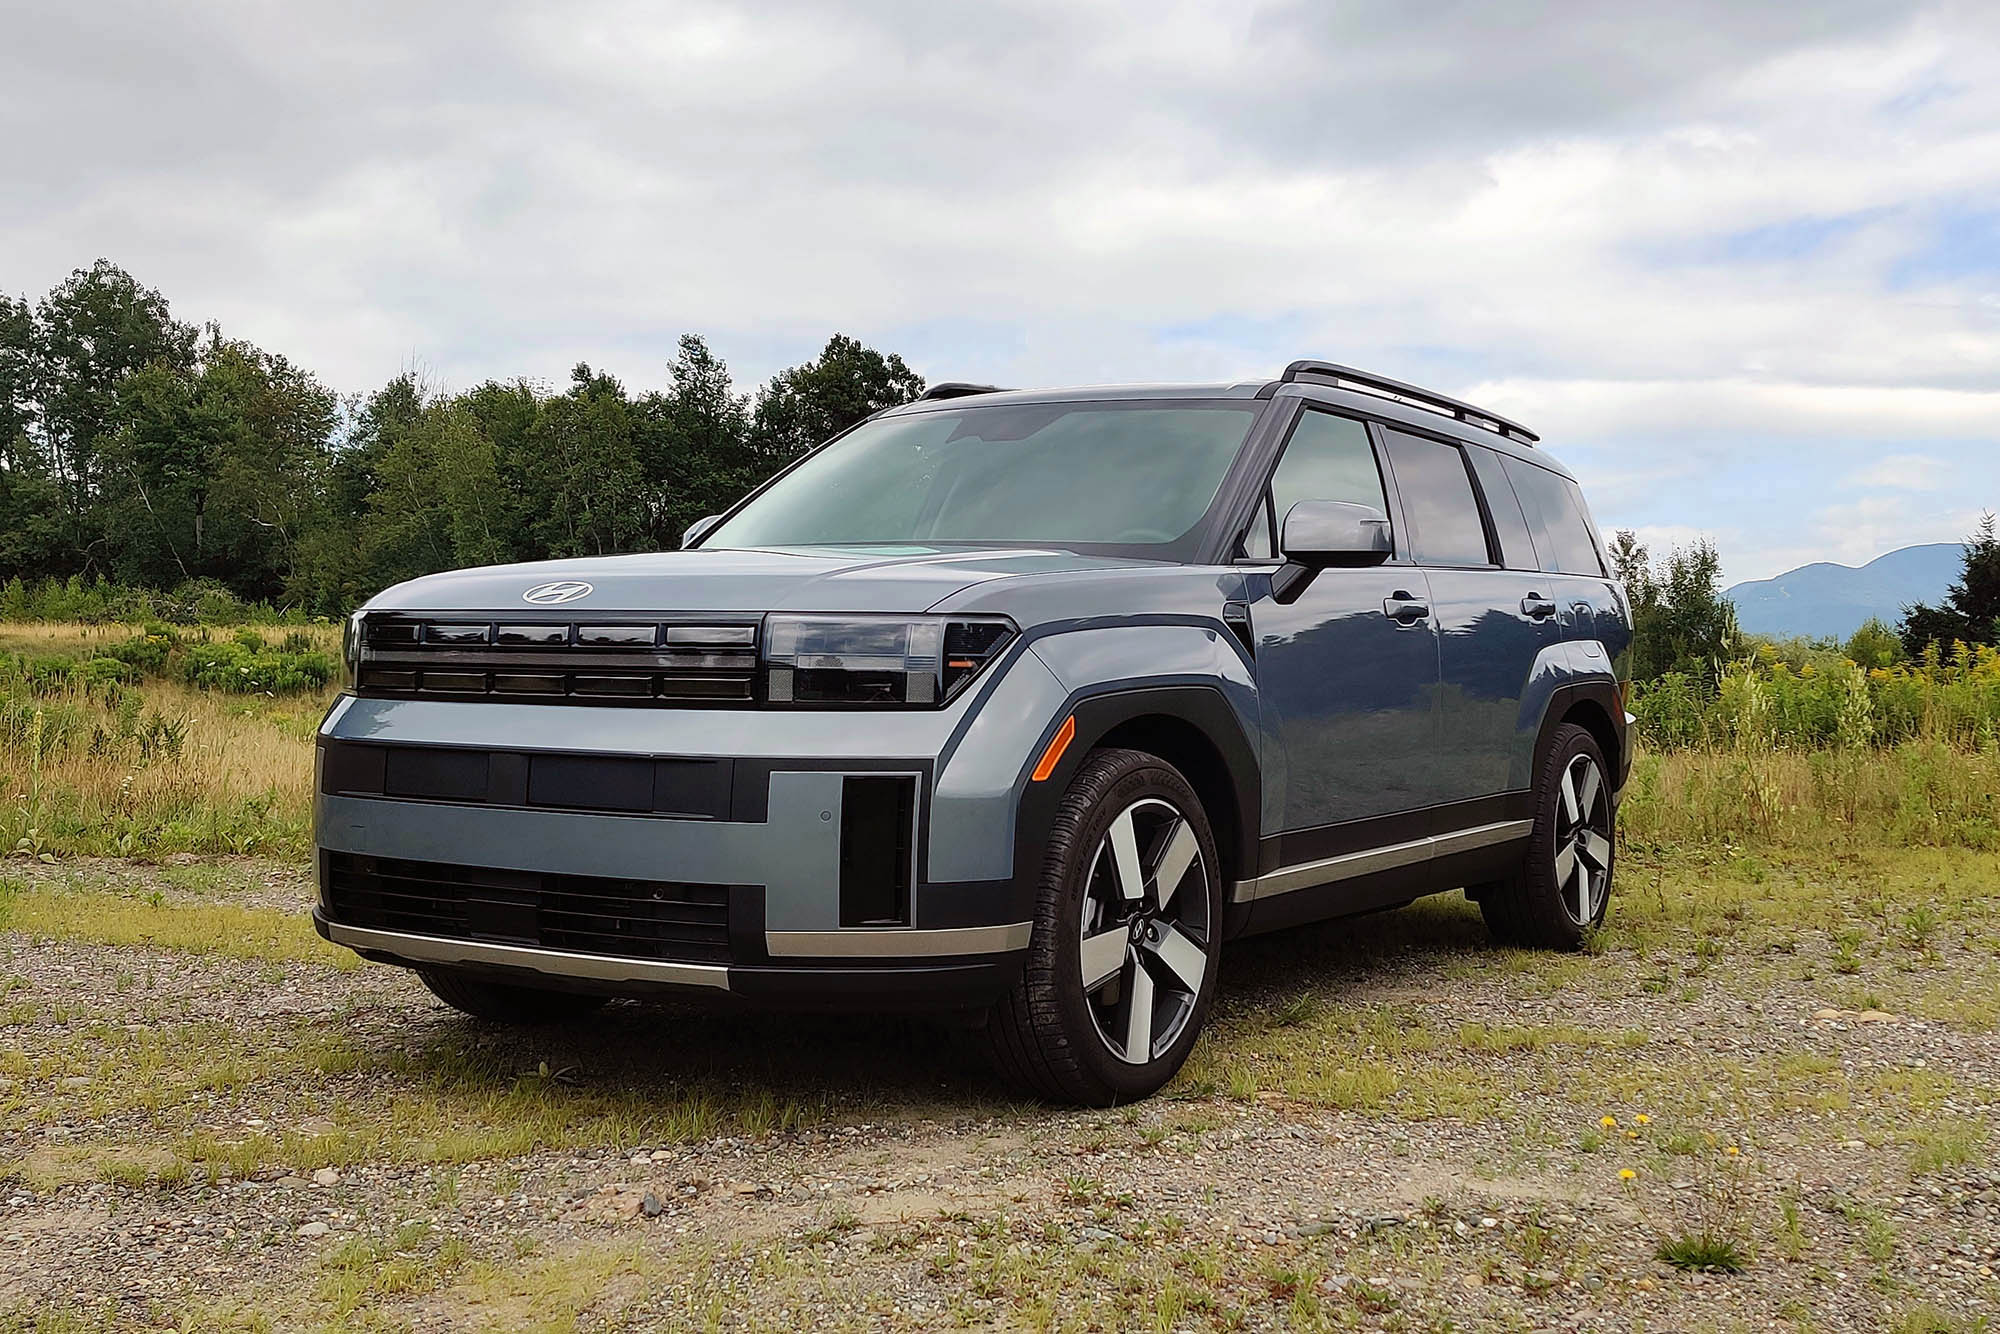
(1347,674)
(1587,607)
(1492,620)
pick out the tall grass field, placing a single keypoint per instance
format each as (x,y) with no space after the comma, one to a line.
(146,740)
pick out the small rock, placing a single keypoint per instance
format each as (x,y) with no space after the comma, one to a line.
(313,1229)
(651,1206)
(327,1176)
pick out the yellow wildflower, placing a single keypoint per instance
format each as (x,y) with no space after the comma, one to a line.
(1732,1151)
(1607,1121)
(1643,1119)
(1626,1174)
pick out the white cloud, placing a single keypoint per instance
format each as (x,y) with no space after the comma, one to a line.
(1671,238)
(1904,472)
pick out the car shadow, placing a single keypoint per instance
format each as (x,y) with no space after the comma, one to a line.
(758,1070)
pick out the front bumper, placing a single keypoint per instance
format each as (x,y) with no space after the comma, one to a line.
(700,852)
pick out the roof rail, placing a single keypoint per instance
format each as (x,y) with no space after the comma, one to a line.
(1382,384)
(956,389)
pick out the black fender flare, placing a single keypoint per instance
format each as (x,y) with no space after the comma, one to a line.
(1237,789)
(1605,720)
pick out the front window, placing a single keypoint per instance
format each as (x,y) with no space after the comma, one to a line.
(1129,476)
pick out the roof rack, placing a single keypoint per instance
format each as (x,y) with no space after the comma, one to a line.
(1328,371)
(956,389)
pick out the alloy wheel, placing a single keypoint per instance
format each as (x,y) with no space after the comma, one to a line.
(1146,930)
(1583,840)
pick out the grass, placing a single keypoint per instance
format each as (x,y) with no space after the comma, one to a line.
(1705,1252)
(232,774)
(100,918)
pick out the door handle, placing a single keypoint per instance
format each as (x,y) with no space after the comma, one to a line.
(1404,609)
(1537,608)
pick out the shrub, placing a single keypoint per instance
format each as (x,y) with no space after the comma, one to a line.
(1798,697)
(237,666)
(98,602)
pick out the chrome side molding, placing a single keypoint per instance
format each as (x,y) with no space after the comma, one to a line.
(1347,866)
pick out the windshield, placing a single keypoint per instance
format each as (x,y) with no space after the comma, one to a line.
(1137,475)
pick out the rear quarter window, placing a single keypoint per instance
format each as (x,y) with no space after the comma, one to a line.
(1554,508)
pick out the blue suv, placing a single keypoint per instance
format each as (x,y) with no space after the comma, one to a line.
(1015,705)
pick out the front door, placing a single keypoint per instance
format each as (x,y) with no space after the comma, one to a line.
(1346,675)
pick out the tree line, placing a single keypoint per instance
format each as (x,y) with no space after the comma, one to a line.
(143,450)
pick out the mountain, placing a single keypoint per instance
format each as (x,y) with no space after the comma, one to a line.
(1831,601)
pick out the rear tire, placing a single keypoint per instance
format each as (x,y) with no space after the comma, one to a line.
(501,1003)
(1564,885)
(1128,928)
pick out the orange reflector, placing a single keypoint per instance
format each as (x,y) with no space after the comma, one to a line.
(1053,755)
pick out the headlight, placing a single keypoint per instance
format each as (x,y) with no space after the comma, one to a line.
(350,650)
(889,661)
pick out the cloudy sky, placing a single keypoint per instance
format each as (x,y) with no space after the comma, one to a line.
(1739,263)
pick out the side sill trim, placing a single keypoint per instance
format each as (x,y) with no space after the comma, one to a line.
(1370,860)
(558,963)
(898,943)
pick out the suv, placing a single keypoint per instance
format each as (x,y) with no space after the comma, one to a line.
(1011,704)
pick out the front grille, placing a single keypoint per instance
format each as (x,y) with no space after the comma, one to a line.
(605,660)
(633,919)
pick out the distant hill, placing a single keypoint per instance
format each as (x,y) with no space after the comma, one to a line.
(1831,601)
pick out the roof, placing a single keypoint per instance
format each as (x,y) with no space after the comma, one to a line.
(1322,382)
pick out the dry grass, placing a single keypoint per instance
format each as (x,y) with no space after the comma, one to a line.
(238,779)
(1915,794)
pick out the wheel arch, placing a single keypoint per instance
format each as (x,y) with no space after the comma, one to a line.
(1192,728)
(1595,707)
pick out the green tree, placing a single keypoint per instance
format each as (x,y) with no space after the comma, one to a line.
(90,333)
(1971,610)
(693,443)
(31,535)
(1681,622)
(585,469)
(1630,561)
(212,469)
(1873,645)
(807,405)
(439,503)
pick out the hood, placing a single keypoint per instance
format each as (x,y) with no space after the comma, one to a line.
(881,578)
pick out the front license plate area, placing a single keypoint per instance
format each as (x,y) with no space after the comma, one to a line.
(512,920)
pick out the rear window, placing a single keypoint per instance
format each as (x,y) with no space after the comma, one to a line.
(1554,507)
(1438,501)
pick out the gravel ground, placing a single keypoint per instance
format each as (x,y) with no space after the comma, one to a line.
(199,1141)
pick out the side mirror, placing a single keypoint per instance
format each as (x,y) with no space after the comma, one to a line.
(699,529)
(1328,534)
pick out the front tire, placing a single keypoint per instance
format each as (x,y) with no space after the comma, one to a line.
(1121,966)
(1564,886)
(500,1003)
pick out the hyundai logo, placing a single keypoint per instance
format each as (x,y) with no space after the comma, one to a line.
(562,590)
